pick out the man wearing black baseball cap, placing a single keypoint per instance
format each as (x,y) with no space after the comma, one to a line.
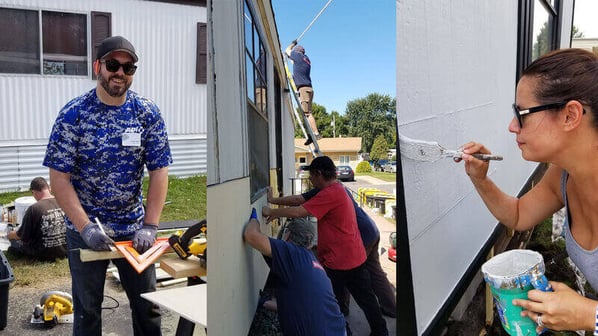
(340,248)
(116,43)
(100,145)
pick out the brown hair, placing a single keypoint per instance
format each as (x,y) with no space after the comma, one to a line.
(38,184)
(566,74)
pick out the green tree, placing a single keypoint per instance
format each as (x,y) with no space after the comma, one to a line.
(371,116)
(324,121)
(576,33)
(319,113)
(363,167)
(544,38)
(379,148)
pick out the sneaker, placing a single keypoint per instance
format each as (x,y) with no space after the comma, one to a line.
(308,141)
(318,137)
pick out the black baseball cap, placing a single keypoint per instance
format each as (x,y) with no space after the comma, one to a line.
(116,43)
(322,163)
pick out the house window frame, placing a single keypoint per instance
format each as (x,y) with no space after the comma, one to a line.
(95,26)
(257,116)
(526,37)
(56,63)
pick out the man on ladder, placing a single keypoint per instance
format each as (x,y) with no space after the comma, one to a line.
(302,79)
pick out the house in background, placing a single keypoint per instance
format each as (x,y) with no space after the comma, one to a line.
(589,44)
(46,56)
(343,151)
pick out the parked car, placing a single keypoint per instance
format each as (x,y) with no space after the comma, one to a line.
(345,173)
(379,165)
(390,167)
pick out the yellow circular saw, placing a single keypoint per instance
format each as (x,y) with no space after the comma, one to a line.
(54,307)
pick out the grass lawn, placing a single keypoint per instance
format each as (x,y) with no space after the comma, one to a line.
(388,177)
(186,199)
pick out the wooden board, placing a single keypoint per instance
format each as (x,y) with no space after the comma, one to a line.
(91,255)
(179,268)
(189,302)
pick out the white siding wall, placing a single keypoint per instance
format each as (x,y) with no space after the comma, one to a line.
(165,38)
(20,164)
(456,67)
(239,270)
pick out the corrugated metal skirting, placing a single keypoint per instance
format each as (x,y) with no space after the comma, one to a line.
(20,164)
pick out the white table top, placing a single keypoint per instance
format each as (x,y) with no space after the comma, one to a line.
(190,302)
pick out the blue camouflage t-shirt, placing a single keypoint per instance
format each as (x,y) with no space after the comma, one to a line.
(104,149)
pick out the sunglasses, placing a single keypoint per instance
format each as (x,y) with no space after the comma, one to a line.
(520,113)
(113,66)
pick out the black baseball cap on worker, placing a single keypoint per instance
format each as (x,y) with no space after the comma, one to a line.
(323,164)
(116,43)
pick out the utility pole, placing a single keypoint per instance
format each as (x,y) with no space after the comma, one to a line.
(333,124)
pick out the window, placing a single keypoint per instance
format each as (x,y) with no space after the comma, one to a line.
(64,46)
(538,30)
(19,41)
(543,30)
(344,159)
(302,159)
(257,116)
(62,36)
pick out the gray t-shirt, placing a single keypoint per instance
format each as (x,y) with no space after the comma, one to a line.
(586,261)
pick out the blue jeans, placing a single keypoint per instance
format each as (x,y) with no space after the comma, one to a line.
(88,292)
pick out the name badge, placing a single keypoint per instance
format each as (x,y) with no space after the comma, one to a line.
(131,139)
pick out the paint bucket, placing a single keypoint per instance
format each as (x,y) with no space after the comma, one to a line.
(511,275)
(21,205)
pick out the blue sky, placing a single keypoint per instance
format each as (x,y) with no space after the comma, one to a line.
(351,46)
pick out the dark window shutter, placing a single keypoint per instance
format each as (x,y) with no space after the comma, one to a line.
(101,27)
(201,68)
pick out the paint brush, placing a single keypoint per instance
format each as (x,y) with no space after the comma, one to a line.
(430,151)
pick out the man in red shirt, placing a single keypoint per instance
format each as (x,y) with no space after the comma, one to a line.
(340,249)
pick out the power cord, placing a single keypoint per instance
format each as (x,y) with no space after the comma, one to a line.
(116,303)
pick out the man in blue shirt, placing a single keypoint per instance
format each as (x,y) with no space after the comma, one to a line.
(99,145)
(302,79)
(305,301)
